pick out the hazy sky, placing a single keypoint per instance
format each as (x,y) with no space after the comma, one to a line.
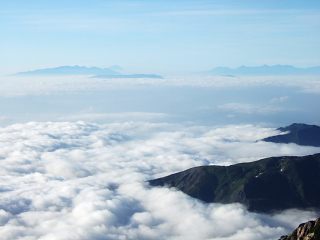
(162,37)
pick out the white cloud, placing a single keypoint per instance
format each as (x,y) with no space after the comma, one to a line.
(87,181)
(280,99)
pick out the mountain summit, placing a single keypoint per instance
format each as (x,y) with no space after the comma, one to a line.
(266,185)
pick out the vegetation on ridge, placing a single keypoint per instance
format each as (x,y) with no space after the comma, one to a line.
(267,185)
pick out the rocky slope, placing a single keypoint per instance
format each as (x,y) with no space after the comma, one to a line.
(301,134)
(267,185)
(306,231)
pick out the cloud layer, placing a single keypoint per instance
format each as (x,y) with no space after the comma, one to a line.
(87,181)
(209,100)
(20,86)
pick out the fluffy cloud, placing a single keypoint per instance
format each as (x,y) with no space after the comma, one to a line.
(87,181)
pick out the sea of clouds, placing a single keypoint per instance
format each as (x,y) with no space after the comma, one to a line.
(205,100)
(63,180)
(19,86)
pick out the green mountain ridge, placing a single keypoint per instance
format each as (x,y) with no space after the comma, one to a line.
(266,185)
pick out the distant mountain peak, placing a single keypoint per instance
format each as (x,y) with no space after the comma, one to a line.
(264,70)
(68,70)
(117,68)
(243,66)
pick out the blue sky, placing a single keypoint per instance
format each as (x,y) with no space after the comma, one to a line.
(162,37)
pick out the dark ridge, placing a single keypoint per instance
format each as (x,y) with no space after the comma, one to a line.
(299,133)
(294,127)
(267,185)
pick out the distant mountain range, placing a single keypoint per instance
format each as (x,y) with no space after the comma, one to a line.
(264,70)
(112,72)
(68,70)
(219,71)
(266,185)
(299,133)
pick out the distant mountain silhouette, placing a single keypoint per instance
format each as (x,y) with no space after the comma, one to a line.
(267,185)
(117,69)
(68,70)
(264,70)
(299,133)
(128,76)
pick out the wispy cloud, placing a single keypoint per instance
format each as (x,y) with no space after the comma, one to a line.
(250,108)
(230,12)
(124,116)
(280,99)
(119,20)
